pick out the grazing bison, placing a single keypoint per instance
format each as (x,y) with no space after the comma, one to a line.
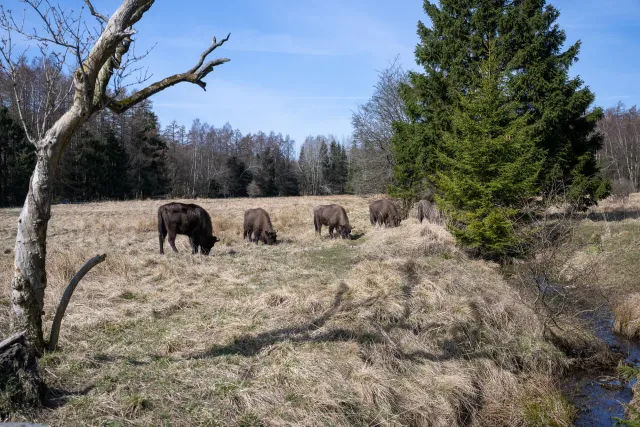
(187,219)
(257,225)
(383,211)
(427,210)
(333,216)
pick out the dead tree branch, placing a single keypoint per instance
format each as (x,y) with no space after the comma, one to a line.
(66,297)
(12,340)
(195,75)
(100,17)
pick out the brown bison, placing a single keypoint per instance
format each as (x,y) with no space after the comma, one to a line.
(428,210)
(383,211)
(257,226)
(333,216)
(190,220)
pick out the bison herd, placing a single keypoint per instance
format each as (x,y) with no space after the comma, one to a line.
(193,221)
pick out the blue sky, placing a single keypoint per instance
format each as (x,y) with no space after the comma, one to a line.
(302,67)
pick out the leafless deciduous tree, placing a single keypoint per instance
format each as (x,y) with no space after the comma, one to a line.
(313,156)
(372,156)
(100,56)
(620,152)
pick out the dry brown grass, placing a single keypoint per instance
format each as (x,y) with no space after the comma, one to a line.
(627,314)
(610,236)
(393,328)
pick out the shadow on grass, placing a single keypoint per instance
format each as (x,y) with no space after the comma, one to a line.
(614,215)
(250,345)
(57,398)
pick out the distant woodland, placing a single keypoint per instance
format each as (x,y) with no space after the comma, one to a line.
(134,156)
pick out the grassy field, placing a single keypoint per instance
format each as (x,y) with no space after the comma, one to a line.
(611,235)
(395,327)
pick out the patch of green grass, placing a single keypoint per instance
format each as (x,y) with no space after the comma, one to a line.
(136,403)
(549,411)
(128,295)
(249,419)
(337,258)
(226,389)
(294,398)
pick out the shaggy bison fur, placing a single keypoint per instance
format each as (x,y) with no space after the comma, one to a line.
(190,220)
(383,211)
(257,226)
(333,216)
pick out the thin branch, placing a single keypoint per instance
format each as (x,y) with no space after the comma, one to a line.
(98,15)
(214,46)
(66,297)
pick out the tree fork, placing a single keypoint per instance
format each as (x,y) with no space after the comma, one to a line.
(90,81)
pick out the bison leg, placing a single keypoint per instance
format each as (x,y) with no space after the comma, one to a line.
(172,241)
(317,225)
(331,231)
(256,236)
(161,237)
(162,233)
(194,247)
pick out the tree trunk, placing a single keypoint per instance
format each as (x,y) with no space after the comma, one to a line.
(29,276)
(20,380)
(90,81)
(29,279)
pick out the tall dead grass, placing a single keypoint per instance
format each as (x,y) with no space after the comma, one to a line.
(395,327)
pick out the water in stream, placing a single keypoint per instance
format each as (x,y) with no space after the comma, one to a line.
(601,397)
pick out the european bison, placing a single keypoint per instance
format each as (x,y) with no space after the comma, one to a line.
(428,210)
(257,226)
(333,216)
(383,211)
(187,219)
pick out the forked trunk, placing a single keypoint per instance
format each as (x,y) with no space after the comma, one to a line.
(29,276)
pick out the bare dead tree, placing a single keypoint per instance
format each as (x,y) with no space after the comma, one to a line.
(372,122)
(97,57)
(620,153)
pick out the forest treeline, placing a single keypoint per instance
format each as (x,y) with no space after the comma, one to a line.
(131,156)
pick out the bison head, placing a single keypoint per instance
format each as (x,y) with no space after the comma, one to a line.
(270,237)
(208,243)
(345,231)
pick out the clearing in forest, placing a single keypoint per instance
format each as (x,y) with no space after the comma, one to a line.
(394,327)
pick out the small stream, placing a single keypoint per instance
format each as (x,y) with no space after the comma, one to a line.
(601,396)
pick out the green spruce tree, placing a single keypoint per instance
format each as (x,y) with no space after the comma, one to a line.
(528,52)
(490,165)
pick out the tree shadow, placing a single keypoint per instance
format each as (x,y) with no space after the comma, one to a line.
(619,214)
(250,345)
(56,398)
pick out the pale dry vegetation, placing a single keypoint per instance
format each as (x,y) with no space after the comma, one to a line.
(611,234)
(395,327)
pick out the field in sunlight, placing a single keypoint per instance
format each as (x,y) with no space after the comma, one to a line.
(395,327)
